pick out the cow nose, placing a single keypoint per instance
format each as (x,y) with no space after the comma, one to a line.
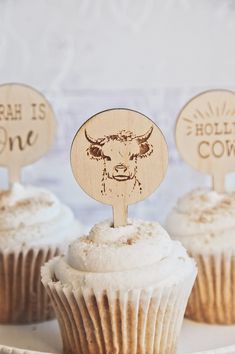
(120,167)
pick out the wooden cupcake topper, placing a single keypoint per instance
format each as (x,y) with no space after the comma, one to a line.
(205,134)
(27,127)
(119,157)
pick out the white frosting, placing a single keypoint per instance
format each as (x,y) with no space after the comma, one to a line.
(138,255)
(204,221)
(31,216)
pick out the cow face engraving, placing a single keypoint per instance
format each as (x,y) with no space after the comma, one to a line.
(120,153)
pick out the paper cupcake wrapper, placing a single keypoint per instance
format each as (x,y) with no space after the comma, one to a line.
(23,298)
(213,296)
(137,321)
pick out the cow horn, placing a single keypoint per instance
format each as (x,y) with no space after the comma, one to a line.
(93,141)
(143,138)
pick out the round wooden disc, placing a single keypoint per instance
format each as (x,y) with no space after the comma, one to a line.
(205,132)
(27,125)
(119,155)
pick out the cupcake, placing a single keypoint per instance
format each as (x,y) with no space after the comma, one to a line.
(34,227)
(121,290)
(204,221)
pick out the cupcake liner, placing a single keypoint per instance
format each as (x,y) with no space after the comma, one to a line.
(23,298)
(139,321)
(213,296)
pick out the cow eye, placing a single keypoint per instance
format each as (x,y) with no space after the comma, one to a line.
(108,158)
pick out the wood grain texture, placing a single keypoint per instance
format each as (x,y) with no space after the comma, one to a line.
(205,134)
(27,127)
(119,157)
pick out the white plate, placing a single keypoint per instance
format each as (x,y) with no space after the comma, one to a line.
(45,337)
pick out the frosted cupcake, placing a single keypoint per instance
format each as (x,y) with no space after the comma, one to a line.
(121,290)
(204,221)
(34,227)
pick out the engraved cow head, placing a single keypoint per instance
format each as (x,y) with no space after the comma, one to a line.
(120,153)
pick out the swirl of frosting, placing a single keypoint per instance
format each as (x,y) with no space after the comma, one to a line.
(31,216)
(139,254)
(204,220)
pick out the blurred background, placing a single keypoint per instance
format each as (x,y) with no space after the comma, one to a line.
(87,56)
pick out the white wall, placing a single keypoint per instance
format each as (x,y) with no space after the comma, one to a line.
(116,44)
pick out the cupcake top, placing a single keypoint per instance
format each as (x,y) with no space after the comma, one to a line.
(204,220)
(138,255)
(31,216)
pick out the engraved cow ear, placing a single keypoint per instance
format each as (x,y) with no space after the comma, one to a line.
(95,152)
(95,149)
(146,149)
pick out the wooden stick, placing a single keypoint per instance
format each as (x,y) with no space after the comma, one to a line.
(120,212)
(218,182)
(14,173)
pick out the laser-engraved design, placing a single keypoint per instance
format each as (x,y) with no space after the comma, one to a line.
(205,134)
(120,153)
(119,157)
(27,127)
